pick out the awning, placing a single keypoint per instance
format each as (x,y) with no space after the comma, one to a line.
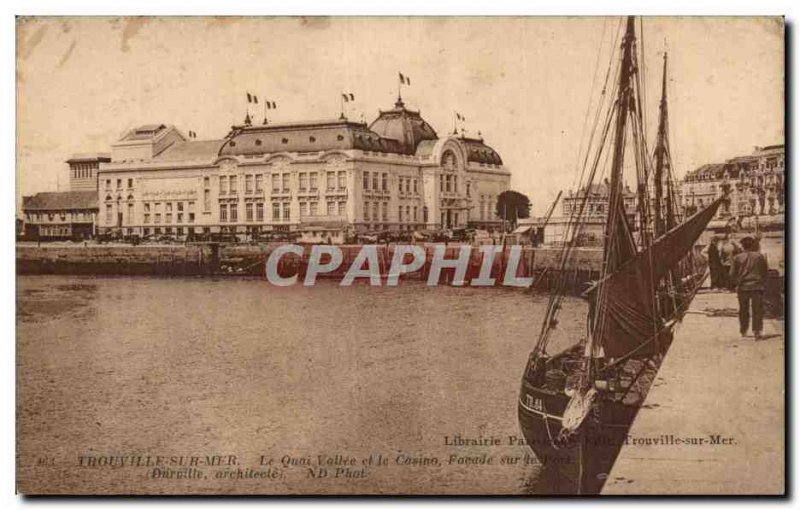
(523,230)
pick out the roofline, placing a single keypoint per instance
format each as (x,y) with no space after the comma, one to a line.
(308,124)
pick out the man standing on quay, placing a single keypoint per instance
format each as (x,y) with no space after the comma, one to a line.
(749,275)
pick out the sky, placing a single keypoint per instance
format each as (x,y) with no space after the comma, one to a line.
(524,83)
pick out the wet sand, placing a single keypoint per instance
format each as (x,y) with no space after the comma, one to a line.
(140,368)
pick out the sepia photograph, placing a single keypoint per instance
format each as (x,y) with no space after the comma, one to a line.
(400,255)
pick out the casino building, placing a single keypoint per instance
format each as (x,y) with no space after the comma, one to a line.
(329,176)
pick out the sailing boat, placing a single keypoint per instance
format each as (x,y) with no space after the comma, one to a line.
(576,407)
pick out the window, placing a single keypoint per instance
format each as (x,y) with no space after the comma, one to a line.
(147,207)
(286,215)
(366,208)
(276,211)
(342,208)
(330,182)
(223,185)
(248,184)
(375,209)
(260,211)
(385,182)
(286,183)
(375,181)
(232,185)
(158,218)
(313,208)
(130,183)
(400,214)
(119,183)
(400,185)
(234,213)
(248,211)
(130,214)
(342,177)
(206,200)
(303,181)
(408,185)
(108,183)
(408,213)
(259,183)
(191,217)
(468,190)
(331,208)
(206,182)
(366,180)
(276,183)
(415,211)
(180,217)
(223,213)
(303,209)
(108,214)
(313,177)
(415,187)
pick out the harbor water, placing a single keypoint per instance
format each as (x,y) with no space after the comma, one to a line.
(144,367)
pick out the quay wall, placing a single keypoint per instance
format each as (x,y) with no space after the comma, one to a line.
(248,259)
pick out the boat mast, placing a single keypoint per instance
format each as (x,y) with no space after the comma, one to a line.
(612,245)
(661,149)
(624,95)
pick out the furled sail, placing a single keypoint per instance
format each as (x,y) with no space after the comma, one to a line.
(627,322)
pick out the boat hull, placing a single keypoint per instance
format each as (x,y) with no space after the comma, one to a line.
(580,464)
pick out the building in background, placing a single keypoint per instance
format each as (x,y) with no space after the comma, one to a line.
(756,183)
(83,170)
(63,215)
(313,176)
(594,215)
(53,216)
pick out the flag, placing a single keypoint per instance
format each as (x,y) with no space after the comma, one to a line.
(404,79)
(249,98)
(352,97)
(344,96)
(274,105)
(255,99)
(269,105)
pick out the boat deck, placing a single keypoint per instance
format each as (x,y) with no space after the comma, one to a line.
(715,412)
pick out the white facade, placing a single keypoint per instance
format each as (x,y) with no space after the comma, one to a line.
(206,187)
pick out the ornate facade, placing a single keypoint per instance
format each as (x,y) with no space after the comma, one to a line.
(756,183)
(395,174)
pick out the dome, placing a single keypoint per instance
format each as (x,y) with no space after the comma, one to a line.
(405,126)
(479,152)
